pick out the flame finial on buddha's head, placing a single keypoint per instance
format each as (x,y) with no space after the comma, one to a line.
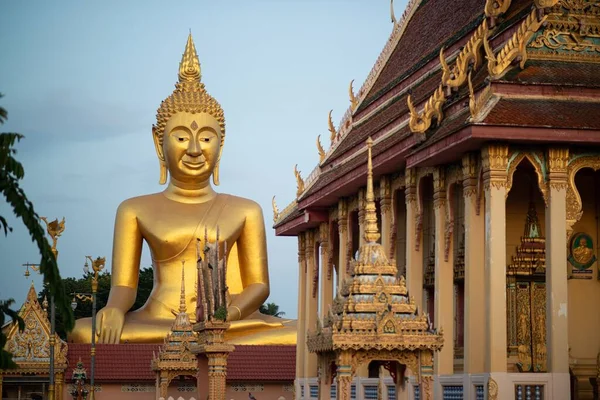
(190,96)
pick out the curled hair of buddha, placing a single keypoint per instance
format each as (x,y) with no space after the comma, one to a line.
(189,95)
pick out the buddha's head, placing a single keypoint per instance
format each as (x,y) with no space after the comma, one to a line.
(190,127)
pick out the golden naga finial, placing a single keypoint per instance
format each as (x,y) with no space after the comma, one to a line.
(54,229)
(353,99)
(332,130)
(371,232)
(189,67)
(321,150)
(275,210)
(392,12)
(299,181)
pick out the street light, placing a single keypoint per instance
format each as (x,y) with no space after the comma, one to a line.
(97,266)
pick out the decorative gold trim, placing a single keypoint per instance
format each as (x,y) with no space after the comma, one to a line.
(545,3)
(574,204)
(420,122)
(456,77)
(516,158)
(515,47)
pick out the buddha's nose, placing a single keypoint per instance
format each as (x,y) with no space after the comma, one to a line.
(194,149)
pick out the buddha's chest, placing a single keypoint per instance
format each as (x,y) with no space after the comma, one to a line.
(170,230)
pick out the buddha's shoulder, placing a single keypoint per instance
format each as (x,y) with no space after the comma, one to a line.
(140,203)
(241,203)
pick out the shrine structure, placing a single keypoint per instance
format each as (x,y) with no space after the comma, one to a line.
(485,121)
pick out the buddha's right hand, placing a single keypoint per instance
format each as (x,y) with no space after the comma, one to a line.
(110,324)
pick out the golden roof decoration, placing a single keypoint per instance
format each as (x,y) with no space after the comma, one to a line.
(332,131)
(299,181)
(373,309)
(420,122)
(392,15)
(275,210)
(353,99)
(31,347)
(320,150)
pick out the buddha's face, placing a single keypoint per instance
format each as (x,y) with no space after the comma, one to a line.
(191,146)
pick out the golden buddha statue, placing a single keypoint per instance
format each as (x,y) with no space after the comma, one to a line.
(189,137)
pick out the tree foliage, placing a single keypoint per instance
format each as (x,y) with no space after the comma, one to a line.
(84,285)
(271,309)
(6,360)
(11,172)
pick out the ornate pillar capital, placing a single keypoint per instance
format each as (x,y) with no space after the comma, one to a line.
(494,161)
(410,183)
(470,170)
(301,247)
(558,162)
(439,187)
(385,194)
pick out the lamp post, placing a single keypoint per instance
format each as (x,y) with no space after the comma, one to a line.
(97,266)
(54,229)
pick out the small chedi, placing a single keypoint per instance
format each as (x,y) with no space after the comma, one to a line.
(189,136)
(373,318)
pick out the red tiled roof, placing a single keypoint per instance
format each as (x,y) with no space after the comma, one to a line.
(568,114)
(434,23)
(556,73)
(262,363)
(131,362)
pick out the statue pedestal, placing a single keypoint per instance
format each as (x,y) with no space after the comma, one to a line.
(211,343)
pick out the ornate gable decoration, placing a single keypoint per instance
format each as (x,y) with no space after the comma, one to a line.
(571,33)
(31,347)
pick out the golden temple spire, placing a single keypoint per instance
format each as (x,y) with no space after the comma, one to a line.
(189,67)
(182,307)
(371,232)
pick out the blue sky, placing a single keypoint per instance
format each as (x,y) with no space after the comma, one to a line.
(82,81)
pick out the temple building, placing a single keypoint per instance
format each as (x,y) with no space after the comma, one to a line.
(485,121)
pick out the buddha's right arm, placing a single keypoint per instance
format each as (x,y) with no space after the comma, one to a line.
(127,250)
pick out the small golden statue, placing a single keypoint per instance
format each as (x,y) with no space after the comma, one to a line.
(188,136)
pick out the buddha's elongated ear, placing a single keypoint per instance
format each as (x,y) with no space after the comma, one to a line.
(161,157)
(216,170)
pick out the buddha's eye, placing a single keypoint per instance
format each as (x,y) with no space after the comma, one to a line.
(205,139)
(182,139)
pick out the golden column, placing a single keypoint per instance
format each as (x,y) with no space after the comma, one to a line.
(474,273)
(54,229)
(212,344)
(494,163)
(414,259)
(301,350)
(386,213)
(557,341)
(343,242)
(444,282)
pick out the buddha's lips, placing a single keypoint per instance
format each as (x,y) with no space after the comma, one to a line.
(193,165)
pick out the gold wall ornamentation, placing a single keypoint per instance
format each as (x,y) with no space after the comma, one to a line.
(470,54)
(420,122)
(494,8)
(537,160)
(299,182)
(515,48)
(538,300)
(523,323)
